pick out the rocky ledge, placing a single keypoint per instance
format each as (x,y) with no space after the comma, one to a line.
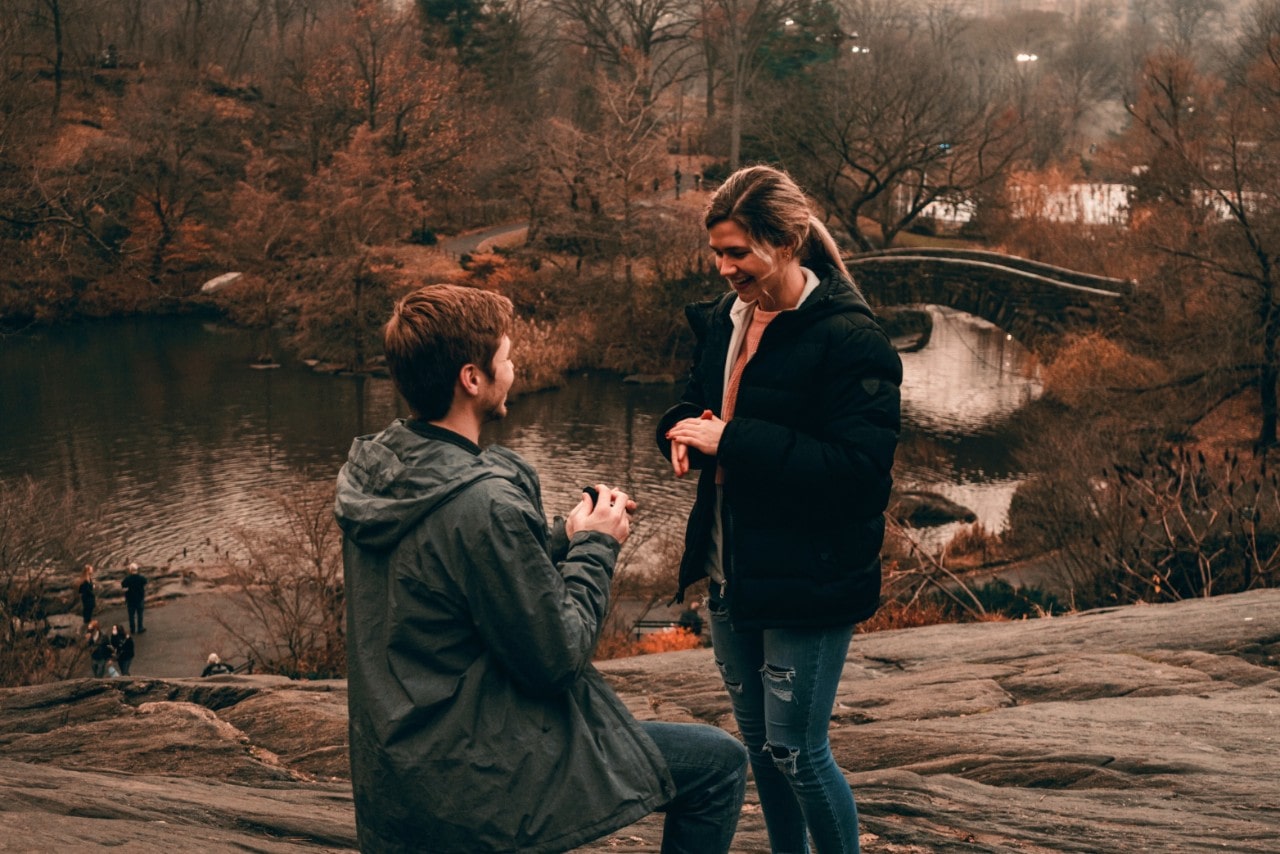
(1148,728)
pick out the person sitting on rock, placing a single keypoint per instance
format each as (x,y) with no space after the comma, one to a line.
(102,653)
(215,666)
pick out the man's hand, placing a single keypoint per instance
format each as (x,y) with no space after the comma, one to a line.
(610,514)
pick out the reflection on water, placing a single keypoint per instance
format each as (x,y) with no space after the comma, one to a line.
(179,442)
(971,376)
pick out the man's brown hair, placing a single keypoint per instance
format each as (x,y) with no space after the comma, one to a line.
(433,332)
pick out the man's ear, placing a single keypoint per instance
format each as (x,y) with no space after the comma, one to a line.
(469,380)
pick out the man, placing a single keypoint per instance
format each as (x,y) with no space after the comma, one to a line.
(135,597)
(477,722)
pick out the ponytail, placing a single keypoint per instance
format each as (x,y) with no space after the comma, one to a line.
(820,248)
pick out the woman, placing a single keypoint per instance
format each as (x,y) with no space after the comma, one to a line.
(122,641)
(88,596)
(792,415)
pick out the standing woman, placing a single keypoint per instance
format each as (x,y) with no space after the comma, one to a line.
(792,415)
(88,596)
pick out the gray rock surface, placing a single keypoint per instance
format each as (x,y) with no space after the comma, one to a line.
(1147,728)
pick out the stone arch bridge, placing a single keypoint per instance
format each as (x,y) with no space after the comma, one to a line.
(1034,302)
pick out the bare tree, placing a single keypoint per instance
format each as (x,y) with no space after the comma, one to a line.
(740,29)
(884,132)
(290,580)
(647,37)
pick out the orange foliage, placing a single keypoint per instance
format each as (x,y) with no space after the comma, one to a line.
(620,644)
(667,640)
(1091,363)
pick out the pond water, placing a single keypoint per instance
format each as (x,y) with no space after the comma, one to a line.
(163,422)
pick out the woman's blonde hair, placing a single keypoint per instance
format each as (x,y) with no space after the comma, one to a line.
(771,208)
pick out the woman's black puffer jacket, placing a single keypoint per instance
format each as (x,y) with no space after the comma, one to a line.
(807,459)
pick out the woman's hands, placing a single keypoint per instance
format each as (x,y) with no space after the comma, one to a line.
(702,433)
(609,514)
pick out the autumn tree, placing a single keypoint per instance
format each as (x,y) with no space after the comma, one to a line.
(171,162)
(361,202)
(1211,199)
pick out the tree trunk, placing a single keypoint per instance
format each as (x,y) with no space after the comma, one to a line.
(735,125)
(55,12)
(1269,373)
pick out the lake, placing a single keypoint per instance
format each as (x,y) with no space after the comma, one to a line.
(163,422)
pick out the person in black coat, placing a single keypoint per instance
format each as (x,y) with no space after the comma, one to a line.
(122,642)
(135,597)
(791,414)
(88,595)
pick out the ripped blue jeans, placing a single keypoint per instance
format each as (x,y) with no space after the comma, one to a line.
(782,684)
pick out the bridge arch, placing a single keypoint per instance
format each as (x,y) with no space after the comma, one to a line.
(1035,302)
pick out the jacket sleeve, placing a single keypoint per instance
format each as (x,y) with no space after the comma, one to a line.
(846,454)
(539,620)
(696,399)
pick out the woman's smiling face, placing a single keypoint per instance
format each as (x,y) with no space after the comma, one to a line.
(748,271)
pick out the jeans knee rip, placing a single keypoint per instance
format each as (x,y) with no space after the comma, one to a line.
(783,757)
(779,681)
(733,687)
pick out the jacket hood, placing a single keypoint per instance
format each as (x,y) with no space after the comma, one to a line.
(395,478)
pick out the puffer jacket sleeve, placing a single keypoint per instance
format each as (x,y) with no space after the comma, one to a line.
(697,396)
(540,621)
(846,454)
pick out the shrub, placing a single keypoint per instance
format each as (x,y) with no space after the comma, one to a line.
(290,578)
(667,640)
(1088,364)
(41,530)
(1001,598)
(1174,523)
(423,236)
(716,172)
(971,544)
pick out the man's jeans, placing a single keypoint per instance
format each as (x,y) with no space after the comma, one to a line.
(135,610)
(709,768)
(782,684)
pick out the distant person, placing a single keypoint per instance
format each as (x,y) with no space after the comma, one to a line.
(124,649)
(88,594)
(791,413)
(101,653)
(690,620)
(477,720)
(135,598)
(678,176)
(92,634)
(697,181)
(215,665)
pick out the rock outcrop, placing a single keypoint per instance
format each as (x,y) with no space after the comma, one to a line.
(1147,728)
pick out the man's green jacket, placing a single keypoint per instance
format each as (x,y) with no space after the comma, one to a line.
(477,722)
